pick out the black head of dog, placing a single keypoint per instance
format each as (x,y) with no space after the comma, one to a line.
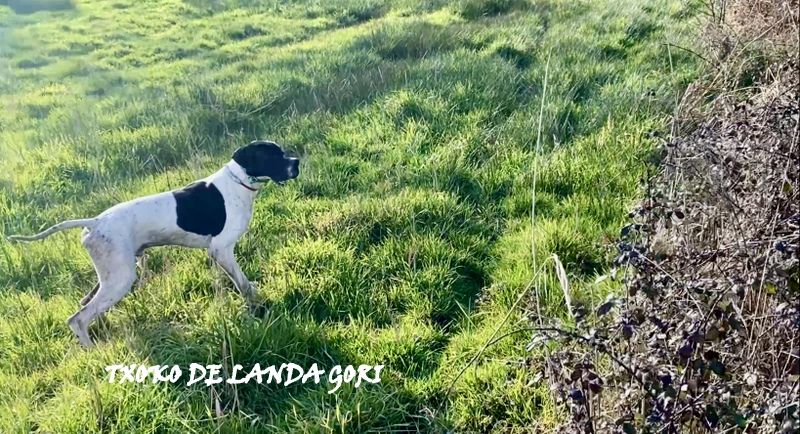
(264,159)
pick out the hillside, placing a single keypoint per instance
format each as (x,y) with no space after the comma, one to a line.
(404,242)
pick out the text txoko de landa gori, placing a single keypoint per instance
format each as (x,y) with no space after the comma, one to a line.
(285,374)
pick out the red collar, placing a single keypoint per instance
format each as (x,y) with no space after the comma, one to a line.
(239,181)
(246,186)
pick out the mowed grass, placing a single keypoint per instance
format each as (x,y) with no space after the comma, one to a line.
(406,239)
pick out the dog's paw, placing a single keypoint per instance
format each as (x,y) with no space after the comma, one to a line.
(259,309)
(253,288)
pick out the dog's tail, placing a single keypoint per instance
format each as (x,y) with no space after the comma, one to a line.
(69,224)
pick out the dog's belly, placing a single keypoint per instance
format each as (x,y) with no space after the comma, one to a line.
(174,238)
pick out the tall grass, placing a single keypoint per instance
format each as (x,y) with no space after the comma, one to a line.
(404,242)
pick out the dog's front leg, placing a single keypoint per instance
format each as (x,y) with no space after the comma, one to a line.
(223,255)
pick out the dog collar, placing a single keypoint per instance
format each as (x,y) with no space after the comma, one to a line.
(252,179)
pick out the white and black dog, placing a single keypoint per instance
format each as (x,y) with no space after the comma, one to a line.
(211,213)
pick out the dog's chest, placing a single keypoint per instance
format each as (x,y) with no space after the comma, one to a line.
(238,211)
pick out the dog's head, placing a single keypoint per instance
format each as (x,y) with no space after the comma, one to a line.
(264,159)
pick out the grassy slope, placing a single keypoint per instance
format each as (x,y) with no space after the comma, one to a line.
(417,122)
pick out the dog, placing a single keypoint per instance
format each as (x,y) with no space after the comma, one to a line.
(211,213)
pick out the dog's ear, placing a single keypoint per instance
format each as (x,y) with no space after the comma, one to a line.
(247,157)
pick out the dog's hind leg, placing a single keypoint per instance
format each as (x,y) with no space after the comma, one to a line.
(141,265)
(86,298)
(116,269)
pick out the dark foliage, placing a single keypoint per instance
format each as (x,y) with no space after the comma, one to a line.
(705,339)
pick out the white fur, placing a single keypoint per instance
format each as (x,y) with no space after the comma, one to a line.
(118,235)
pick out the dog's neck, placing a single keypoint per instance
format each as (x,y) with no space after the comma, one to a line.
(237,173)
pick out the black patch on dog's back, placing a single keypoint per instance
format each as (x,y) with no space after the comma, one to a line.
(200,209)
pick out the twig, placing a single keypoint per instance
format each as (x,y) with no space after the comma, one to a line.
(536,154)
(564,283)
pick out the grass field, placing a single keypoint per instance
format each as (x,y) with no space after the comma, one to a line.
(406,239)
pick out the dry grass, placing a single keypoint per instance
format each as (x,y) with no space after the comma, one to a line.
(706,337)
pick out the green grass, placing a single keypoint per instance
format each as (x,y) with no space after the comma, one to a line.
(405,240)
